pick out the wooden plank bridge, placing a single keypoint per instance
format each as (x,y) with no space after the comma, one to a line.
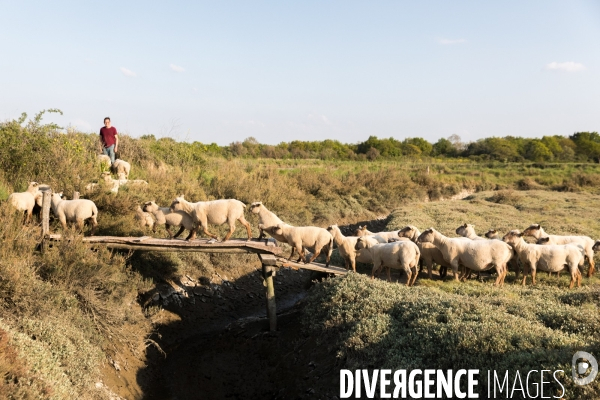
(269,253)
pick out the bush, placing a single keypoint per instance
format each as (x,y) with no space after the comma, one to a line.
(375,324)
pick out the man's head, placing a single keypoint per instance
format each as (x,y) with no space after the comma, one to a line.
(107,122)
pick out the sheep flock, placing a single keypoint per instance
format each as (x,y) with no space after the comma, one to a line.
(407,249)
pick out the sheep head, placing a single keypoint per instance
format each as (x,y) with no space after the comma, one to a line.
(361,231)
(333,228)
(176,204)
(491,234)
(513,237)
(596,246)
(363,243)
(277,230)
(255,207)
(427,236)
(543,240)
(150,206)
(532,230)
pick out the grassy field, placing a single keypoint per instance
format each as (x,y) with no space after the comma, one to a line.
(445,324)
(66,313)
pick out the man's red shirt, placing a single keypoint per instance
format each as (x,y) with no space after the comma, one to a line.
(108,135)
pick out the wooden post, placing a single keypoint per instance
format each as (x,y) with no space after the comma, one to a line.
(269,264)
(46,201)
(75,195)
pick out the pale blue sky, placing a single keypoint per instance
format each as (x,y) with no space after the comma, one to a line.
(309,70)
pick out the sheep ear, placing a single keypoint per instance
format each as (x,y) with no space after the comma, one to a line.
(537,226)
(465,225)
(519,234)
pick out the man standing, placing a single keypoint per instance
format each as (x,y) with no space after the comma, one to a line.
(109,140)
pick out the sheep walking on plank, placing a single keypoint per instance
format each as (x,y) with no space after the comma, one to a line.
(478,255)
(305,237)
(542,237)
(164,216)
(429,253)
(266,219)
(216,212)
(403,255)
(25,201)
(77,211)
(552,258)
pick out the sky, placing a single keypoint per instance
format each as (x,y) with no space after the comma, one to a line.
(307,70)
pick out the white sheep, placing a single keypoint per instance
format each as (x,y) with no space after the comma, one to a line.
(144,218)
(514,261)
(402,255)
(164,216)
(266,219)
(112,185)
(468,231)
(74,211)
(551,258)
(347,248)
(478,255)
(305,237)
(429,253)
(103,159)
(215,212)
(25,201)
(542,237)
(121,167)
(387,236)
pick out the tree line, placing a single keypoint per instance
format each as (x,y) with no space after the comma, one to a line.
(579,147)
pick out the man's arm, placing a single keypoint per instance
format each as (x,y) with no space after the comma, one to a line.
(116,143)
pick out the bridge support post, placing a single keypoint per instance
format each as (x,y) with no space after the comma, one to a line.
(46,200)
(269,266)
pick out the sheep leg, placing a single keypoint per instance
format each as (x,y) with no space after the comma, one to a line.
(94,226)
(455,269)
(247,225)
(179,232)
(533,272)
(207,233)
(408,276)
(443,271)
(525,272)
(515,264)
(353,263)
(414,279)
(261,234)
(317,252)
(231,230)
(168,229)
(592,265)
(292,253)
(389,274)
(192,234)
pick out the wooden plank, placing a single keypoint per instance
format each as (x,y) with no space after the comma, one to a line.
(267,259)
(313,267)
(141,239)
(201,245)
